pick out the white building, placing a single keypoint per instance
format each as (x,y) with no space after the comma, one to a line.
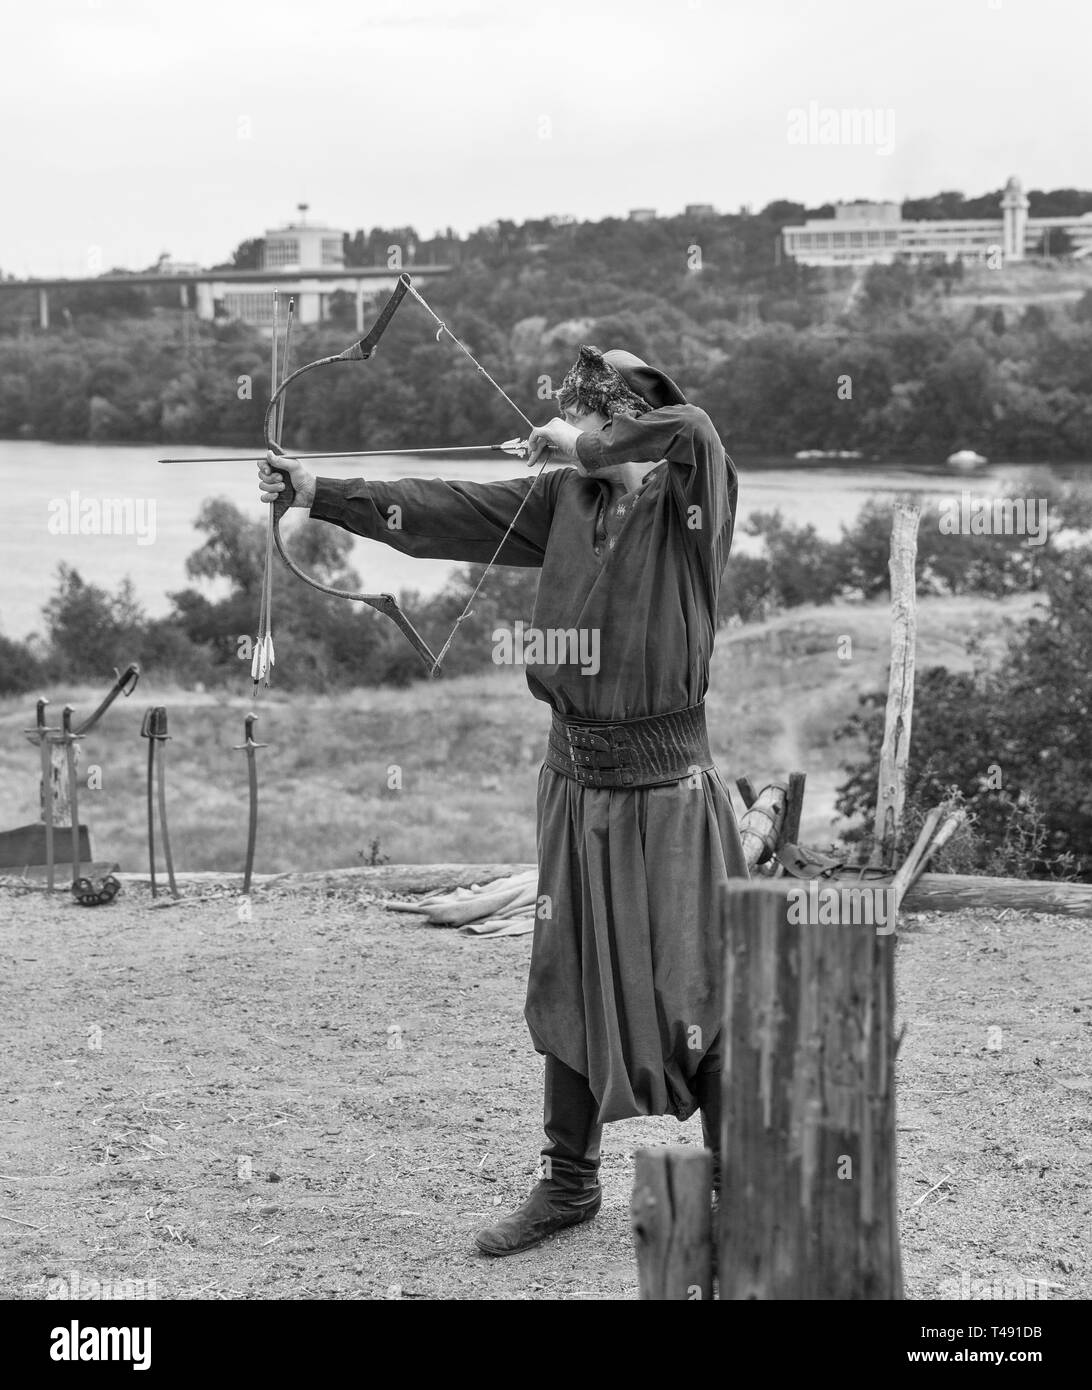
(875,234)
(288,254)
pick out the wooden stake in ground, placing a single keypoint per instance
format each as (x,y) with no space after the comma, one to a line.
(895,753)
(671,1218)
(808,1206)
(940,825)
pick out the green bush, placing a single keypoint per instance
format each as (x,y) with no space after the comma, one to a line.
(1015,742)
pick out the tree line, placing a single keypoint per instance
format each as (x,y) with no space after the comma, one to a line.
(783,357)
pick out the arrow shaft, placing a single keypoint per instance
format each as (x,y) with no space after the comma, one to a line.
(354,454)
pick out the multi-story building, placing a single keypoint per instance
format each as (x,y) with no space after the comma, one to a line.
(876,234)
(305,262)
(296,251)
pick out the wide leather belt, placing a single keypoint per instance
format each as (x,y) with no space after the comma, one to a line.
(633,753)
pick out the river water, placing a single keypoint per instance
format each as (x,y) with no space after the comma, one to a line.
(44,485)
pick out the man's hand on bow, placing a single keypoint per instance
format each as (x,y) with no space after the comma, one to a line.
(558,437)
(271,484)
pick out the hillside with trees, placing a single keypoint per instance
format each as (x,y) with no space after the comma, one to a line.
(783,357)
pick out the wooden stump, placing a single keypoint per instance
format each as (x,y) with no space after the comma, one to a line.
(672,1223)
(808,1207)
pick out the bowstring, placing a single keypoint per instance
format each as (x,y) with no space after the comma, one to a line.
(443,328)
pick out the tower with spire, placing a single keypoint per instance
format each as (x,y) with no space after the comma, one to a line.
(1014,212)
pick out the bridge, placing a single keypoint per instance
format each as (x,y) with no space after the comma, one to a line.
(246,294)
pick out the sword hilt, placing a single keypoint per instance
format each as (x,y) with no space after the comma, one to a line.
(154,723)
(41,730)
(251,720)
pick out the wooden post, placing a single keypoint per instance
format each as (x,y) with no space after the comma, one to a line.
(808,1205)
(55,798)
(671,1217)
(794,807)
(891,790)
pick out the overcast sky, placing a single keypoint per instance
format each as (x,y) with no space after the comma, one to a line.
(132,127)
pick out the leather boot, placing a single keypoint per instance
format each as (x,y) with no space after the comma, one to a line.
(569,1191)
(707,1090)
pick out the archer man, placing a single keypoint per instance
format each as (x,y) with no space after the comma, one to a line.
(636,833)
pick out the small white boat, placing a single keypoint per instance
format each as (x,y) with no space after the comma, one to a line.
(805,454)
(966,460)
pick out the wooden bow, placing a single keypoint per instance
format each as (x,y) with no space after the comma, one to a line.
(360,352)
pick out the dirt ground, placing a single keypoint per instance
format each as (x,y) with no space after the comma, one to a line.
(327,1100)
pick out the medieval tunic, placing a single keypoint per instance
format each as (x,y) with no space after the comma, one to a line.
(625,977)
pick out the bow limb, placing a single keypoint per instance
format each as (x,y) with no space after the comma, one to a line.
(386,604)
(361,351)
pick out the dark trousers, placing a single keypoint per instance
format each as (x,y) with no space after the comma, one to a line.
(570,1155)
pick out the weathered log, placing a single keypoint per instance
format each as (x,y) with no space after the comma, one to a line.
(760,825)
(931,892)
(895,751)
(671,1217)
(808,1207)
(961,892)
(55,797)
(383,878)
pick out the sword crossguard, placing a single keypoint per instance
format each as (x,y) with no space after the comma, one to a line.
(251,720)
